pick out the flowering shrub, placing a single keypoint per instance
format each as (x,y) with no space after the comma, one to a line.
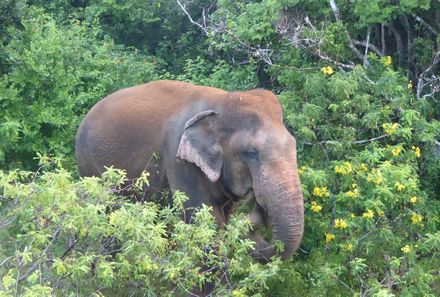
(369,171)
(60,236)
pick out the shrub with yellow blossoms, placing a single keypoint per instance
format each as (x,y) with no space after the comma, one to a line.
(302,169)
(344,168)
(399,186)
(375,176)
(406,249)
(413,199)
(416,151)
(321,192)
(328,70)
(390,128)
(348,247)
(387,61)
(416,218)
(329,237)
(365,147)
(315,207)
(396,151)
(341,224)
(353,193)
(369,214)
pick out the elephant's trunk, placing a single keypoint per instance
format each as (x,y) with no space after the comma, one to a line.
(283,203)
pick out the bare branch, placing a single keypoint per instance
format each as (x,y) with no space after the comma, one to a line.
(335,9)
(371,139)
(424,23)
(382,38)
(183,7)
(366,46)
(364,141)
(370,46)
(433,80)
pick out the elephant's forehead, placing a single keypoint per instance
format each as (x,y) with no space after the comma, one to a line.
(258,103)
(273,136)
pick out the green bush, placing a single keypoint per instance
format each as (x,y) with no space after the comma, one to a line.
(368,168)
(60,236)
(55,76)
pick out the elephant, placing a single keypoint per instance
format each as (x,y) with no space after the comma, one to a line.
(216,146)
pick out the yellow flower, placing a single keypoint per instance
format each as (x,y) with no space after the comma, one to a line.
(406,249)
(390,128)
(316,207)
(363,167)
(387,61)
(353,215)
(348,247)
(416,151)
(302,169)
(327,70)
(369,214)
(353,194)
(413,199)
(375,176)
(399,186)
(396,151)
(410,85)
(341,224)
(329,237)
(321,192)
(344,169)
(416,218)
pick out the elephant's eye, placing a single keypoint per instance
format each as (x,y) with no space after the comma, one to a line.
(251,153)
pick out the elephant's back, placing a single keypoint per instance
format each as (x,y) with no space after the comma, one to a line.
(126,127)
(162,98)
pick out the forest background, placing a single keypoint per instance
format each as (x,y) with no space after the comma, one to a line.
(360,85)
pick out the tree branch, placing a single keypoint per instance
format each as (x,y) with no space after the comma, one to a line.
(183,7)
(382,38)
(370,46)
(364,141)
(371,139)
(434,80)
(366,47)
(335,9)
(424,23)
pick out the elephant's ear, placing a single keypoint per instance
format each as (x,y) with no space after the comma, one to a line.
(199,144)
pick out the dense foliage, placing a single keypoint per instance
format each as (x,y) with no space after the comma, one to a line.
(359,84)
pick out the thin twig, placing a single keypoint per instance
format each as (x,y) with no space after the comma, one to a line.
(45,251)
(371,139)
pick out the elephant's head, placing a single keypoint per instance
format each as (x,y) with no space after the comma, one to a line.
(244,147)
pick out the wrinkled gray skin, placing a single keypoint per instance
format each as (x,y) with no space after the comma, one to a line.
(218,147)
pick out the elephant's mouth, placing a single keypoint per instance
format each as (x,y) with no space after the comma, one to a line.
(257,215)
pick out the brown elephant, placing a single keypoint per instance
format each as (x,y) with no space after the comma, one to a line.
(215,146)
